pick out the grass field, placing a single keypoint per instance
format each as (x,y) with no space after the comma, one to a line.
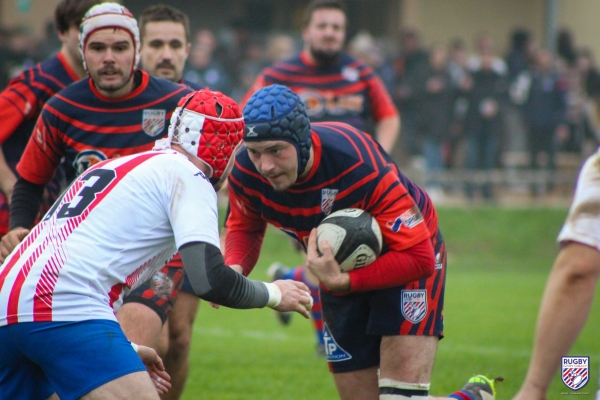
(499,260)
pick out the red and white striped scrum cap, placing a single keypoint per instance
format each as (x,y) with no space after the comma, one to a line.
(109,15)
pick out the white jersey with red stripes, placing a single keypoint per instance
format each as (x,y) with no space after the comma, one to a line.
(583,222)
(110,231)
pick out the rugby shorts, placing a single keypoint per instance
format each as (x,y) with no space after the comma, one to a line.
(38,359)
(355,323)
(160,292)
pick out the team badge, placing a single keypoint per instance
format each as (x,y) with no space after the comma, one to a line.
(350,74)
(414,305)
(333,351)
(575,371)
(410,219)
(86,159)
(153,122)
(162,284)
(327,199)
(314,102)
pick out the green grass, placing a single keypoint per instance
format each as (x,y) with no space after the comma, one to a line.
(499,260)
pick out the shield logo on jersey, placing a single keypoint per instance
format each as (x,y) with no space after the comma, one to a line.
(153,121)
(350,74)
(327,199)
(414,305)
(86,159)
(333,351)
(575,371)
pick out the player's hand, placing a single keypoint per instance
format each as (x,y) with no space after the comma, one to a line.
(295,296)
(325,267)
(10,241)
(156,369)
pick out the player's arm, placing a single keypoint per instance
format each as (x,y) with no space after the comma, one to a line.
(24,208)
(7,178)
(387,131)
(566,304)
(385,114)
(245,231)
(394,268)
(213,281)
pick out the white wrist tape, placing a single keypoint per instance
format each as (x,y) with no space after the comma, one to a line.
(135,346)
(274,294)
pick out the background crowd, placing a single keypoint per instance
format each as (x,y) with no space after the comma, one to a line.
(475,121)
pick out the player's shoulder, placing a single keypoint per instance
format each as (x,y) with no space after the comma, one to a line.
(348,61)
(163,89)
(191,85)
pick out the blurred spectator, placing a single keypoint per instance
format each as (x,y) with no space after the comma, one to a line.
(545,112)
(280,47)
(575,67)
(484,47)
(565,47)
(591,82)
(364,47)
(461,80)
(519,55)
(435,94)
(50,44)
(411,60)
(483,123)
(20,51)
(202,67)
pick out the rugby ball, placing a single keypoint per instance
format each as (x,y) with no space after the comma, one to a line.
(354,236)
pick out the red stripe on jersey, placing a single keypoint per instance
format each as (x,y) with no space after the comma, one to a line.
(67,67)
(93,128)
(117,289)
(45,287)
(136,92)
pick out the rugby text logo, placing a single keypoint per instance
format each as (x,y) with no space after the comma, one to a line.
(153,122)
(327,199)
(414,305)
(575,371)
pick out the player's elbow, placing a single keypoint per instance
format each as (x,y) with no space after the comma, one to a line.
(426,264)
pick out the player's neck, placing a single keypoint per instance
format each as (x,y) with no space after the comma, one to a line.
(76,65)
(199,164)
(309,165)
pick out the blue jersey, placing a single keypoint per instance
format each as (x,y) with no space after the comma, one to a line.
(348,91)
(350,170)
(84,127)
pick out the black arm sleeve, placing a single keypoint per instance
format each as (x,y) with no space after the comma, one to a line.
(213,281)
(25,203)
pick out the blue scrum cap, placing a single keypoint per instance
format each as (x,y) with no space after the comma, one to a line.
(276,113)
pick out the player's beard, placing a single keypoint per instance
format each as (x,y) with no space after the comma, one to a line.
(112,87)
(325,57)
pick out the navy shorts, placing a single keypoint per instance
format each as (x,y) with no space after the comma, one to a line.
(354,324)
(38,359)
(160,292)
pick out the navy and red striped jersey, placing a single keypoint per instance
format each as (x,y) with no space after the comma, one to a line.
(22,101)
(348,91)
(20,105)
(191,85)
(350,170)
(84,127)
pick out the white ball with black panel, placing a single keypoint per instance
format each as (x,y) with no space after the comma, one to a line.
(354,236)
